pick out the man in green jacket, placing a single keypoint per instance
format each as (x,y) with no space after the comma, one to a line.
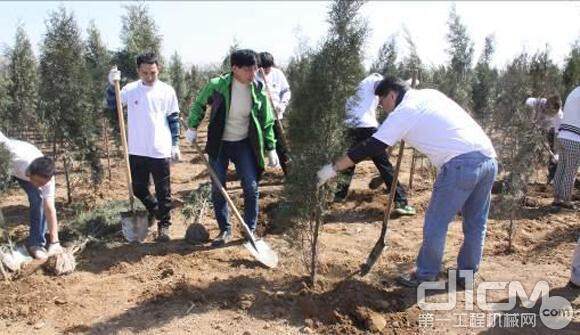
(240,130)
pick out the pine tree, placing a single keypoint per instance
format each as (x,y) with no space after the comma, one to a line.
(483,84)
(23,85)
(139,34)
(460,51)
(545,76)
(64,82)
(386,62)
(177,80)
(571,76)
(4,168)
(412,61)
(97,60)
(316,127)
(5,100)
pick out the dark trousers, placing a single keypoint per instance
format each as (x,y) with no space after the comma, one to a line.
(357,135)
(281,149)
(551,134)
(160,205)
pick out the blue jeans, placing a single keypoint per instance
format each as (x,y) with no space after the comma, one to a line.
(242,155)
(463,184)
(37,219)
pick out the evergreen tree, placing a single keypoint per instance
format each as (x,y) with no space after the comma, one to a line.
(177,79)
(545,76)
(97,60)
(483,83)
(460,51)
(412,61)
(316,127)
(5,100)
(386,62)
(23,85)
(4,168)
(63,89)
(571,76)
(139,34)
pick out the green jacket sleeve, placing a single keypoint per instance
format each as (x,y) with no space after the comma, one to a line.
(267,122)
(197,109)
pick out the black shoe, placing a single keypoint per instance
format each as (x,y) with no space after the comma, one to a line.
(376,182)
(223,238)
(409,280)
(163,234)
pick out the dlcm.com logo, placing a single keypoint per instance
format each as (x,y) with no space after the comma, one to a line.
(555,312)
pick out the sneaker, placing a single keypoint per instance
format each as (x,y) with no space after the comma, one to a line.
(563,204)
(405,209)
(38,252)
(223,238)
(409,280)
(376,182)
(163,234)
(55,249)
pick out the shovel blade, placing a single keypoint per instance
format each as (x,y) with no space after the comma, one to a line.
(372,259)
(262,252)
(135,226)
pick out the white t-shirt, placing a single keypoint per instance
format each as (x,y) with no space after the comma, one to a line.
(572,115)
(23,153)
(435,125)
(147,110)
(361,108)
(279,88)
(542,120)
(238,118)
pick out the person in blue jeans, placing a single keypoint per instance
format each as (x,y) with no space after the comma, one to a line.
(35,174)
(438,127)
(240,130)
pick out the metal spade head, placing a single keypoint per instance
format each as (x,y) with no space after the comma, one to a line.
(372,259)
(135,225)
(262,252)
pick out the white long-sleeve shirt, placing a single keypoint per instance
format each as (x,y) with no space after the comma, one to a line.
(361,108)
(279,89)
(435,125)
(544,121)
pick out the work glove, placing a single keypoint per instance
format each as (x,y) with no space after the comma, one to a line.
(279,109)
(273,160)
(175,153)
(114,75)
(325,173)
(191,135)
(555,158)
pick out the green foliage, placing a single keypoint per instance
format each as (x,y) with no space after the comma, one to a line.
(5,100)
(484,83)
(4,167)
(571,75)
(177,78)
(412,61)
(386,62)
(22,86)
(139,34)
(198,201)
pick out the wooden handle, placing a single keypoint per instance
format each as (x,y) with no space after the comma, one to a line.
(124,142)
(223,191)
(392,190)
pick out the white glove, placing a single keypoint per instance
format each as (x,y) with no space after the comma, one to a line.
(114,75)
(325,173)
(191,135)
(273,160)
(279,111)
(175,153)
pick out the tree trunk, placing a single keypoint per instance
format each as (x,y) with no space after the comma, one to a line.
(65,161)
(317,224)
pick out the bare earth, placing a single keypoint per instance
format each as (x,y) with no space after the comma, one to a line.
(176,288)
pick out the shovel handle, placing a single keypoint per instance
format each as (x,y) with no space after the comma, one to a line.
(124,141)
(223,191)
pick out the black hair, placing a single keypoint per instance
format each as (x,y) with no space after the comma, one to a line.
(266,59)
(392,84)
(147,58)
(42,166)
(243,57)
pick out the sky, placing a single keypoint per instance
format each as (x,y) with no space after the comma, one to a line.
(202,32)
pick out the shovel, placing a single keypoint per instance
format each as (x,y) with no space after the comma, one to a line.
(380,245)
(258,248)
(134,224)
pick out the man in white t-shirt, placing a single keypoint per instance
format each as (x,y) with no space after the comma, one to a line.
(280,92)
(35,174)
(153,136)
(361,119)
(548,116)
(438,127)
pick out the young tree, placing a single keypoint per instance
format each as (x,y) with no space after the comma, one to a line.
(460,51)
(411,61)
(139,33)
(22,86)
(5,100)
(386,62)
(483,83)
(64,83)
(177,77)
(316,129)
(97,60)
